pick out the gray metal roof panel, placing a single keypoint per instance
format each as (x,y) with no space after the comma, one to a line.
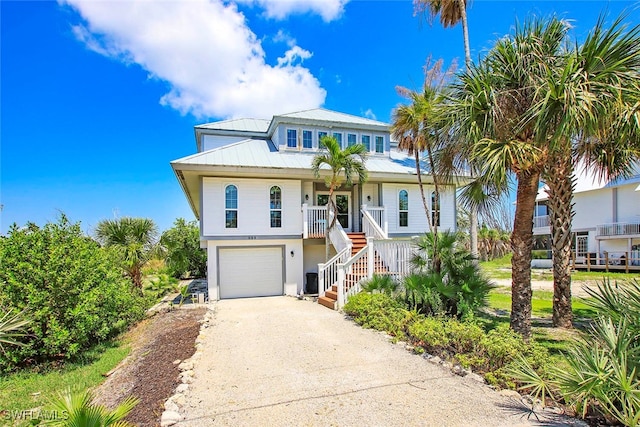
(241,125)
(322,114)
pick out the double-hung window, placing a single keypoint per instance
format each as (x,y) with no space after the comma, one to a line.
(292,138)
(351,139)
(379,144)
(366,141)
(275,206)
(320,136)
(403,208)
(307,139)
(231,206)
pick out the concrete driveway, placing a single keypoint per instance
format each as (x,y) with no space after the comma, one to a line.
(280,361)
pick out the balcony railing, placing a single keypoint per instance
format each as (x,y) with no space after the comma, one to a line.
(618,229)
(540,221)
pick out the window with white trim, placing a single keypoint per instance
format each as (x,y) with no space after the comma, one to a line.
(435,209)
(231,206)
(338,137)
(366,141)
(275,206)
(351,139)
(403,208)
(292,138)
(379,144)
(307,139)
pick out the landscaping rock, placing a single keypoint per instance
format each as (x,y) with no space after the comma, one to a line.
(186,366)
(170,418)
(182,388)
(170,406)
(509,393)
(435,360)
(475,377)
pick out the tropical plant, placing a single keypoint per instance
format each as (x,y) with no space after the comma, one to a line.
(72,289)
(80,411)
(380,283)
(489,110)
(349,162)
(416,127)
(451,12)
(133,238)
(183,253)
(11,327)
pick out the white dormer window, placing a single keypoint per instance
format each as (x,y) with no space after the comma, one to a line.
(366,141)
(292,138)
(307,139)
(338,137)
(351,139)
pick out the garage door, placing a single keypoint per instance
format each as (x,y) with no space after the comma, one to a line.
(250,272)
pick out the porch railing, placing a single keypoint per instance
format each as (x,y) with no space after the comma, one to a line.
(618,229)
(370,226)
(350,274)
(541,221)
(314,219)
(337,236)
(393,257)
(379,215)
(328,272)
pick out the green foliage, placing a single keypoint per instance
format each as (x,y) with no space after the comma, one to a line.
(72,288)
(380,283)
(184,293)
(79,411)
(455,287)
(134,240)
(12,326)
(159,286)
(182,244)
(378,311)
(540,254)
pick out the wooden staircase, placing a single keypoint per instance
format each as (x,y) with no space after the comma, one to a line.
(359,271)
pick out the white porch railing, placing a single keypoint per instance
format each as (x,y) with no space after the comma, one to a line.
(370,226)
(328,272)
(314,219)
(337,236)
(541,221)
(618,229)
(350,274)
(393,257)
(379,215)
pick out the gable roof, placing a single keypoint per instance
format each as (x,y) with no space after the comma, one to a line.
(239,125)
(321,114)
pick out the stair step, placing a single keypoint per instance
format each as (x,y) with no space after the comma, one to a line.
(327,302)
(331,295)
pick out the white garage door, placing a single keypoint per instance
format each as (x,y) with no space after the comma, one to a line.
(250,272)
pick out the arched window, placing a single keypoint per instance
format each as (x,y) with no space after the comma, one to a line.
(275,206)
(231,206)
(403,208)
(435,209)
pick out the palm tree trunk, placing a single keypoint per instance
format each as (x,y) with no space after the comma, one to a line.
(561,185)
(436,260)
(462,4)
(435,213)
(521,244)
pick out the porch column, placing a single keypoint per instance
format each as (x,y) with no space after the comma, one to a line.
(385,221)
(370,257)
(305,222)
(340,286)
(321,288)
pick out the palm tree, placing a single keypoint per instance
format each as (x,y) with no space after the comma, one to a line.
(134,238)
(349,162)
(11,327)
(587,90)
(80,411)
(451,12)
(491,105)
(417,127)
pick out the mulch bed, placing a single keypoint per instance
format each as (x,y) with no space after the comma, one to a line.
(149,373)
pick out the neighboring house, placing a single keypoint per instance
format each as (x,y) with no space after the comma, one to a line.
(263,214)
(606,225)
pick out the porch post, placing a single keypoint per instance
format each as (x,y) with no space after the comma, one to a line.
(385,222)
(305,222)
(321,280)
(340,286)
(370,257)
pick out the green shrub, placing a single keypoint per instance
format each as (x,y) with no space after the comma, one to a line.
(380,283)
(159,286)
(378,311)
(72,288)
(430,333)
(185,258)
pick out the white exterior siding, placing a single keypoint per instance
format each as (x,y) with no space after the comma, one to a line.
(628,204)
(370,190)
(293,267)
(417,218)
(253,207)
(280,137)
(592,208)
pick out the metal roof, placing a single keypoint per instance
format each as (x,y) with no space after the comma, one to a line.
(321,114)
(241,125)
(256,153)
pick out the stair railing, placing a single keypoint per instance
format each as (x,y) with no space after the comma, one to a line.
(337,236)
(350,274)
(328,272)
(393,256)
(370,226)
(379,215)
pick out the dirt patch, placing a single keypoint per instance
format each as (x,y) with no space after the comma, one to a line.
(149,372)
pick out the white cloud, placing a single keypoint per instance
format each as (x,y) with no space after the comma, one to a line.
(212,61)
(280,9)
(369,114)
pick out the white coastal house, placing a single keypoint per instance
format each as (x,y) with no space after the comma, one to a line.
(263,214)
(606,225)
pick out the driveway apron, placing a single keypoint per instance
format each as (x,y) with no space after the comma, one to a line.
(281,361)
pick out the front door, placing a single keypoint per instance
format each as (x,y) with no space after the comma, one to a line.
(343,205)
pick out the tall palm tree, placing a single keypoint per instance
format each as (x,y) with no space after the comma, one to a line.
(134,238)
(491,105)
(451,12)
(586,92)
(417,128)
(349,162)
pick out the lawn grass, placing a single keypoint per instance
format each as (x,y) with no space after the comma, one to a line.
(541,303)
(28,390)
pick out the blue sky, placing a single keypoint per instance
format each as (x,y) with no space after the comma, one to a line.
(97,98)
